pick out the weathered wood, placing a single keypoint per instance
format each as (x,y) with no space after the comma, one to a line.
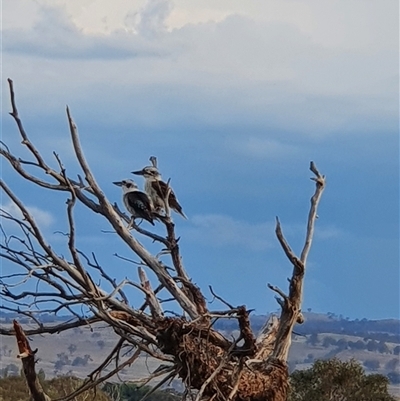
(291,304)
(28,364)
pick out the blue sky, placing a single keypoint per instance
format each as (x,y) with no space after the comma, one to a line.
(234,99)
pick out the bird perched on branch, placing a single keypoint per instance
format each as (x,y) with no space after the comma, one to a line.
(138,203)
(158,190)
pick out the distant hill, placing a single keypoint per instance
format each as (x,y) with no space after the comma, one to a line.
(385,330)
(375,343)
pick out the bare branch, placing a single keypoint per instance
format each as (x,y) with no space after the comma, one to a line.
(160,384)
(291,305)
(55,328)
(155,307)
(25,140)
(219,298)
(90,383)
(288,251)
(278,291)
(312,216)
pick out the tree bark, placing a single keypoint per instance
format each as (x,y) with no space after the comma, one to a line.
(28,364)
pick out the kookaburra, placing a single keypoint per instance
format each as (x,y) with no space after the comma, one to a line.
(157,189)
(138,203)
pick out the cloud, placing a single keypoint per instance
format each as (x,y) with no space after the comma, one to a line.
(224,231)
(43,218)
(238,69)
(296,232)
(227,72)
(329,232)
(54,35)
(151,19)
(261,147)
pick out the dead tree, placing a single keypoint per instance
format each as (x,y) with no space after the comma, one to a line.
(212,367)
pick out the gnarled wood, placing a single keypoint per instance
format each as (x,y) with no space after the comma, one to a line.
(28,364)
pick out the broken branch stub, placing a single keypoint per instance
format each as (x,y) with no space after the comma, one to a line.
(27,357)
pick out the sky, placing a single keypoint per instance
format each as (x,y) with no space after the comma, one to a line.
(235,99)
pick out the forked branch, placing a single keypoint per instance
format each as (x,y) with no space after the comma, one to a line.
(291,303)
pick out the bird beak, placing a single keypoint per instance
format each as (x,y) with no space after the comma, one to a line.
(140,172)
(118,183)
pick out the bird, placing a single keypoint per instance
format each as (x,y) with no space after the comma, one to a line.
(157,189)
(138,203)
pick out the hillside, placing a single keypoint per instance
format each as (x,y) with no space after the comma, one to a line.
(376,344)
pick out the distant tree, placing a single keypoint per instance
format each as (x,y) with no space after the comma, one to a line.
(396,350)
(383,348)
(328,341)
(372,346)
(58,365)
(334,380)
(360,345)
(72,348)
(372,364)
(63,357)
(313,339)
(78,361)
(342,344)
(356,344)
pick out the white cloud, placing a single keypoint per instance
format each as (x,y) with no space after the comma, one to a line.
(224,231)
(43,218)
(151,18)
(265,148)
(274,63)
(351,24)
(218,230)
(329,233)
(54,35)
